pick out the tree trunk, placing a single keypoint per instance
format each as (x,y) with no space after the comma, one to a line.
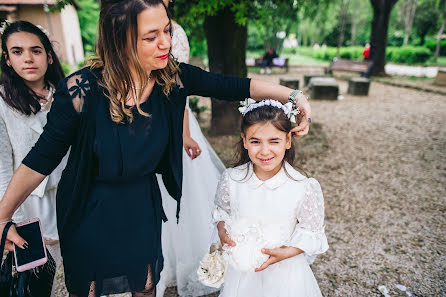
(343,13)
(440,32)
(409,15)
(354,28)
(227,54)
(378,38)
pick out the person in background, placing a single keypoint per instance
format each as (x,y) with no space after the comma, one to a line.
(366,52)
(30,70)
(184,243)
(267,61)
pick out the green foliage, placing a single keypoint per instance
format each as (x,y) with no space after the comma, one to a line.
(426,19)
(88,21)
(402,55)
(65,67)
(408,54)
(431,44)
(193,105)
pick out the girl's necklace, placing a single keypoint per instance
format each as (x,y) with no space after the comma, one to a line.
(46,104)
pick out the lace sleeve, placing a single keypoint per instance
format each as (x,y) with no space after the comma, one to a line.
(180,44)
(78,87)
(62,125)
(222,209)
(309,234)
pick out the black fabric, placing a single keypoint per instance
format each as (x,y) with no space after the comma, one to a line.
(101,163)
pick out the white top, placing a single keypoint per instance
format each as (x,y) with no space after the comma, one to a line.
(281,211)
(180,44)
(18,134)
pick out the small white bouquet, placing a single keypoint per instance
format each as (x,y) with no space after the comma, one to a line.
(211,271)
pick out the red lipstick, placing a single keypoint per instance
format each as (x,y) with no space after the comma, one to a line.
(163,57)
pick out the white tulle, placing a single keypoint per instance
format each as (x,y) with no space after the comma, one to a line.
(285,210)
(185,244)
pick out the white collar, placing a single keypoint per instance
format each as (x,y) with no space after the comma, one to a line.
(274,182)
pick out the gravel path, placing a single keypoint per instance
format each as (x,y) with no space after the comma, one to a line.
(381,161)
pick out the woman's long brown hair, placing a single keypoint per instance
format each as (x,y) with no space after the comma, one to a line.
(116,50)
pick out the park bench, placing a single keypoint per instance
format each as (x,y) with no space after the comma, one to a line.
(348,66)
(277,62)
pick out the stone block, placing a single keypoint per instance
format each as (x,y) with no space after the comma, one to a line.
(440,79)
(308,77)
(359,86)
(323,88)
(290,83)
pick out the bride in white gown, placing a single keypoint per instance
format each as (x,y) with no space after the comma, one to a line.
(185,243)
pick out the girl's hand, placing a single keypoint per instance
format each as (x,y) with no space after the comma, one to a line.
(12,238)
(224,237)
(192,148)
(277,255)
(304,117)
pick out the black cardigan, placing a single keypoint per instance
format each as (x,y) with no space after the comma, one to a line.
(67,127)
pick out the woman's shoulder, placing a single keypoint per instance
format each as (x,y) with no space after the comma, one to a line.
(77,87)
(84,75)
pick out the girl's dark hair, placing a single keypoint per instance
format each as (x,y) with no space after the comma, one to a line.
(262,115)
(15,92)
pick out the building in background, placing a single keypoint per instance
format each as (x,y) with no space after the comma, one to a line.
(63,25)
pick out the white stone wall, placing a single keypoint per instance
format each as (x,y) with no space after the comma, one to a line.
(72,34)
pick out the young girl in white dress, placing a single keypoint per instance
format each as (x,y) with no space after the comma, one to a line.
(270,217)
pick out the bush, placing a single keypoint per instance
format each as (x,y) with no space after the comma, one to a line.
(65,67)
(408,54)
(402,55)
(432,44)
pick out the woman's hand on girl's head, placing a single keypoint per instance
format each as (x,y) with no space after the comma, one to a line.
(304,117)
(192,148)
(223,234)
(277,255)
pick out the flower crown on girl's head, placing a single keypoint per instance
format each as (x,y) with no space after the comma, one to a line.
(7,23)
(250,104)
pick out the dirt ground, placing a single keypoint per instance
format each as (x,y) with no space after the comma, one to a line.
(381,161)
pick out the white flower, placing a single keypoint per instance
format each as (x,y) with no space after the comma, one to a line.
(211,271)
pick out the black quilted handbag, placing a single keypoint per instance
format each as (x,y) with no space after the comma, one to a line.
(36,282)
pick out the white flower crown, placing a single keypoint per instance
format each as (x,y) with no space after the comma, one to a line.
(250,104)
(7,23)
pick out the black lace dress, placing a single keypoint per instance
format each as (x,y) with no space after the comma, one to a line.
(108,203)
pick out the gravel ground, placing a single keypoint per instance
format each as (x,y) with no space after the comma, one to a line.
(381,161)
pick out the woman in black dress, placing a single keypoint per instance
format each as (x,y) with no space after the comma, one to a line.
(122,118)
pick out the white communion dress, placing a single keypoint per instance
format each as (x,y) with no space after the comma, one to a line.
(285,210)
(185,243)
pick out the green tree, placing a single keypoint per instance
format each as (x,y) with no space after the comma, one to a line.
(88,15)
(225,26)
(378,39)
(426,19)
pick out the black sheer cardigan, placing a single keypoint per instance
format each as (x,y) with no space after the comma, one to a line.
(71,123)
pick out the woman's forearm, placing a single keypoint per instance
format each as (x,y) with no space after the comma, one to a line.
(260,89)
(22,183)
(186,130)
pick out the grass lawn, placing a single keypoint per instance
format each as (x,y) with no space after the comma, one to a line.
(441,61)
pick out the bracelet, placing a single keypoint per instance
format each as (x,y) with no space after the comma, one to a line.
(292,97)
(5,222)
